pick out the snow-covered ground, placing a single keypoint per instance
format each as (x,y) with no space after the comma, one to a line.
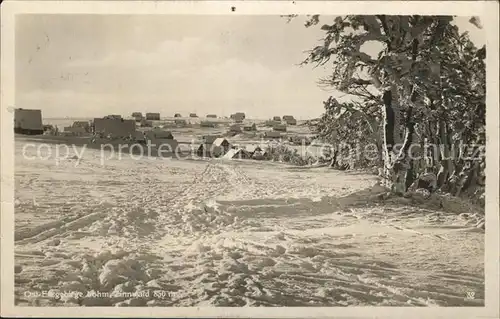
(231,233)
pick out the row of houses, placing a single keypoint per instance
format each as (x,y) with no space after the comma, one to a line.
(288,119)
(238,117)
(278,128)
(236,128)
(213,116)
(272,134)
(149,116)
(113,127)
(28,121)
(217,146)
(108,126)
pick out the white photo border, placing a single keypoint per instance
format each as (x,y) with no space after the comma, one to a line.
(487,10)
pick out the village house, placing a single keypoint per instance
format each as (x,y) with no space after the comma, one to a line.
(260,154)
(238,117)
(180,122)
(209,139)
(157,137)
(273,134)
(153,116)
(290,120)
(217,148)
(235,128)
(75,130)
(168,124)
(211,116)
(208,124)
(114,127)
(223,143)
(251,149)
(113,116)
(48,128)
(279,127)
(139,137)
(277,119)
(271,123)
(28,122)
(137,116)
(177,115)
(193,115)
(250,127)
(146,123)
(83,124)
(158,133)
(239,153)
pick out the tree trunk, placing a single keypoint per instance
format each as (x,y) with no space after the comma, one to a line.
(388,142)
(333,163)
(410,173)
(394,170)
(446,165)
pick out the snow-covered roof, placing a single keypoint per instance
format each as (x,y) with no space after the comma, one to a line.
(219,141)
(232,153)
(253,148)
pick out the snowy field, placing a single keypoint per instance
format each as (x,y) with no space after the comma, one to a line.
(230,233)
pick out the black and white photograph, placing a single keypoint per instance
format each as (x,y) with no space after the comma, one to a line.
(241,159)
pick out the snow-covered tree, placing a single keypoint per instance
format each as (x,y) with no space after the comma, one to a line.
(428,81)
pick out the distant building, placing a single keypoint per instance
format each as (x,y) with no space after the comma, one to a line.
(180,122)
(250,127)
(114,127)
(211,116)
(279,127)
(222,142)
(177,115)
(271,123)
(113,116)
(158,134)
(237,154)
(153,116)
(273,134)
(238,117)
(290,120)
(193,115)
(83,124)
(208,124)
(78,128)
(158,137)
(75,130)
(28,122)
(48,128)
(235,128)
(137,116)
(139,137)
(217,148)
(146,123)
(277,118)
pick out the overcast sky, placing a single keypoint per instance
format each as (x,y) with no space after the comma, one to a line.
(94,65)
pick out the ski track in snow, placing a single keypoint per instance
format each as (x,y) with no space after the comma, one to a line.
(231,233)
